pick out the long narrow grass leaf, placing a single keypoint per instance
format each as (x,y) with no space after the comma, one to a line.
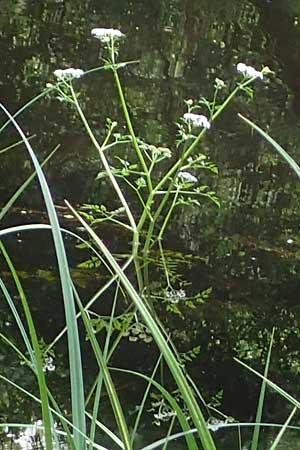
(283,430)
(22,188)
(15,144)
(37,359)
(17,318)
(26,106)
(107,431)
(270,383)
(100,376)
(144,399)
(292,163)
(191,443)
(110,388)
(259,412)
(77,390)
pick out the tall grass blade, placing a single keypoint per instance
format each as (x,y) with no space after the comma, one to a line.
(55,412)
(26,106)
(191,443)
(180,379)
(15,144)
(22,188)
(144,399)
(77,390)
(270,383)
(259,412)
(292,163)
(110,387)
(100,376)
(17,317)
(107,431)
(283,430)
(37,359)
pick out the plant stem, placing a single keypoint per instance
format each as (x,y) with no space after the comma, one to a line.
(131,131)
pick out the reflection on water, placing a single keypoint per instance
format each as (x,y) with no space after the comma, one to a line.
(248,250)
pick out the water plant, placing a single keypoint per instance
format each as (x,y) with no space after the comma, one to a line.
(160,180)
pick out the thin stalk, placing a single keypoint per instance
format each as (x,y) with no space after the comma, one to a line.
(135,240)
(165,446)
(259,412)
(168,216)
(15,144)
(143,402)
(170,174)
(194,144)
(164,263)
(100,376)
(131,130)
(103,159)
(150,230)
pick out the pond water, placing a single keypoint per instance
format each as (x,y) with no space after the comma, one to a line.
(247,250)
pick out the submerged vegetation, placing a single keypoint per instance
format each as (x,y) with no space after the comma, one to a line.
(156,181)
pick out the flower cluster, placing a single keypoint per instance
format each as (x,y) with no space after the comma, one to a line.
(28,438)
(48,365)
(106,34)
(68,73)
(163,416)
(187,177)
(174,296)
(197,120)
(249,71)
(219,84)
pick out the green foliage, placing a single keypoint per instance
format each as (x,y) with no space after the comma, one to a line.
(160,180)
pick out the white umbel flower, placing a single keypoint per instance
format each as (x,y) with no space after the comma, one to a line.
(106,34)
(187,177)
(249,71)
(68,73)
(197,120)
(219,84)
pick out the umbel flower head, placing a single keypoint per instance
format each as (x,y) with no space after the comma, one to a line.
(197,120)
(187,177)
(249,71)
(106,34)
(68,74)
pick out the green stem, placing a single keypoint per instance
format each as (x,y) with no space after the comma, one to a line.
(164,264)
(105,163)
(168,216)
(100,148)
(194,144)
(131,131)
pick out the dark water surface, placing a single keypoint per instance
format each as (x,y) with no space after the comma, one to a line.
(248,250)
